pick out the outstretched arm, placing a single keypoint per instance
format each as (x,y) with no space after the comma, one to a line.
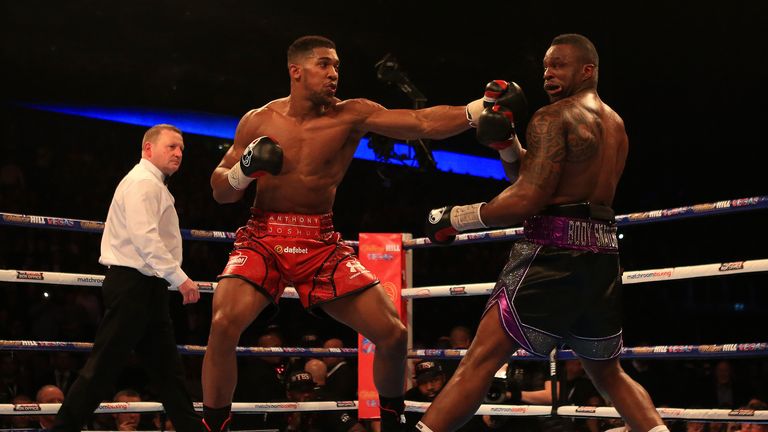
(436,122)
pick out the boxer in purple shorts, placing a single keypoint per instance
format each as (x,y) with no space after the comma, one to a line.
(562,283)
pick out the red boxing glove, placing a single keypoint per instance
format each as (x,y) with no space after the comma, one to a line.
(493,91)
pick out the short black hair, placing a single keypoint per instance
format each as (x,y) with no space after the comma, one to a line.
(305,44)
(587,48)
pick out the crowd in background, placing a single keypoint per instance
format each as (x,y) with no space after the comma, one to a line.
(66,166)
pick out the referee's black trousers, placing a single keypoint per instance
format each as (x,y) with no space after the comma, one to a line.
(137,318)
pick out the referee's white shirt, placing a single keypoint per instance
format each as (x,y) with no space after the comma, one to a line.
(142,228)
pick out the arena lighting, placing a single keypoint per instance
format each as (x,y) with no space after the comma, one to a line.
(388,71)
(222,126)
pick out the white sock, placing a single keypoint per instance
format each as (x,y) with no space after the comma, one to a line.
(659,428)
(424,428)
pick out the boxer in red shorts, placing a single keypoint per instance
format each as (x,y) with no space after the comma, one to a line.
(299,148)
(278,249)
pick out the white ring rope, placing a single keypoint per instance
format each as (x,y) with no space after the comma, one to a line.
(144,407)
(80,279)
(735,415)
(706,270)
(629,277)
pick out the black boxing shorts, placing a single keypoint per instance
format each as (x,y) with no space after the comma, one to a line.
(274,250)
(562,284)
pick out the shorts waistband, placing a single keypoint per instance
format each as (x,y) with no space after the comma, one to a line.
(299,225)
(583,210)
(572,233)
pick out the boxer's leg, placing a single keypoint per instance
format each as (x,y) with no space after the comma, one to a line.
(464,393)
(372,314)
(628,397)
(235,305)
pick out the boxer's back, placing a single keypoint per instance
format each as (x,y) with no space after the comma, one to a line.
(595,149)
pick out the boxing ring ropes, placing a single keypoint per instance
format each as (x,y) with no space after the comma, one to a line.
(741,350)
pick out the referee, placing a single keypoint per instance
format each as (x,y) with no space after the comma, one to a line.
(141,248)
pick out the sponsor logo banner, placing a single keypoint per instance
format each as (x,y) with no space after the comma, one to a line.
(738,265)
(91,279)
(586,409)
(381,254)
(16,218)
(93,226)
(26,407)
(27,275)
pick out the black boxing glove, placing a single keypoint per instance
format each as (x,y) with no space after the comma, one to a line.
(444,223)
(262,156)
(505,103)
(513,98)
(495,127)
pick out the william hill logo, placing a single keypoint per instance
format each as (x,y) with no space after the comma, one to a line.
(290,250)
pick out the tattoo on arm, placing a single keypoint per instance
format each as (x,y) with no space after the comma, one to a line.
(546,148)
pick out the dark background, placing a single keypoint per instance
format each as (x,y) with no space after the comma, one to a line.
(689,81)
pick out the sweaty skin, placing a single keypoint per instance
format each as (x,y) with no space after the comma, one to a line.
(319,137)
(319,134)
(576,150)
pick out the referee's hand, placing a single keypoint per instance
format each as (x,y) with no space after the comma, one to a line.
(189,291)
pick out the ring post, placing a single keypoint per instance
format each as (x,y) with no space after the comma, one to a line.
(383,254)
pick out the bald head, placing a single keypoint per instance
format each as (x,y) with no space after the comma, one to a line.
(318,370)
(50,394)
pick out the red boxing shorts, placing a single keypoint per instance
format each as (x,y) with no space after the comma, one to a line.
(274,250)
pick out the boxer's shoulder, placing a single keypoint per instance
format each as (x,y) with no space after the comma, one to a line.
(358,105)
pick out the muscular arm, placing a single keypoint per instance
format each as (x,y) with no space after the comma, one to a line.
(223,192)
(539,174)
(436,122)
